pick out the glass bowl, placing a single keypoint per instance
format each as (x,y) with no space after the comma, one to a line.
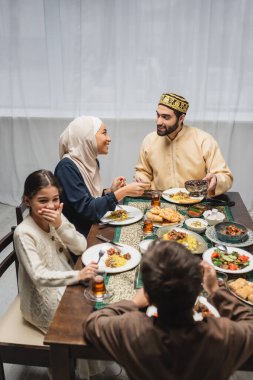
(231,232)
(197,187)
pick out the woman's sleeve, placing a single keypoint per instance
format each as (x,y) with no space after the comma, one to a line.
(76,193)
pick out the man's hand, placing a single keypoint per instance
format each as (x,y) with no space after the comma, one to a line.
(212,182)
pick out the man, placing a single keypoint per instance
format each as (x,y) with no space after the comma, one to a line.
(177,152)
(173,345)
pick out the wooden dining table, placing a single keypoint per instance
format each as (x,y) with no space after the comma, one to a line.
(65,333)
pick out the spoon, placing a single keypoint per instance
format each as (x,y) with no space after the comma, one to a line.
(222,248)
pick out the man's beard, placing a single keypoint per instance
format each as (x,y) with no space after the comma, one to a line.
(168,130)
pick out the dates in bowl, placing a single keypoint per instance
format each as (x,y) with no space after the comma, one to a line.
(231,232)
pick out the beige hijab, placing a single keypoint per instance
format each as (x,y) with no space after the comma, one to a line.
(78,142)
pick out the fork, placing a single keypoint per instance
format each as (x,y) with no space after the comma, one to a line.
(100,254)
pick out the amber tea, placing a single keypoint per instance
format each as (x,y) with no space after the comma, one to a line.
(98,286)
(147,226)
(155,200)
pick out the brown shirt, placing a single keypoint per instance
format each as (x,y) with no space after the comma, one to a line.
(210,349)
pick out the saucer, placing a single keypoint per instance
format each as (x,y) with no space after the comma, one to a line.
(88,293)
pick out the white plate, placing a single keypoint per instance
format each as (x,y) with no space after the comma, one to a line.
(134,216)
(168,224)
(202,243)
(152,310)
(211,235)
(211,308)
(91,254)
(168,193)
(207,257)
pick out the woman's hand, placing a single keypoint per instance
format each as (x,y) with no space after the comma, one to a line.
(210,283)
(53,217)
(88,272)
(136,189)
(117,183)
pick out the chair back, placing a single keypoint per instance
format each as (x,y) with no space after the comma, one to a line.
(20,342)
(20,210)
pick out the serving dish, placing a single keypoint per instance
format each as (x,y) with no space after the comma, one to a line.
(92,254)
(201,244)
(228,284)
(169,193)
(231,232)
(207,256)
(197,187)
(211,235)
(134,215)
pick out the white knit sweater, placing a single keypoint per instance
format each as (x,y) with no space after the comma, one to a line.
(45,267)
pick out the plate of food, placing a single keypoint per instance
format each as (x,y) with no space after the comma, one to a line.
(165,216)
(115,259)
(242,289)
(235,260)
(122,215)
(193,241)
(180,195)
(201,309)
(212,236)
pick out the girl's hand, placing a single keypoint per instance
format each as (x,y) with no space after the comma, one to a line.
(53,217)
(88,272)
(117,183)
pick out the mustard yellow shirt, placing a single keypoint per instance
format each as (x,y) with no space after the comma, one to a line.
(167,163)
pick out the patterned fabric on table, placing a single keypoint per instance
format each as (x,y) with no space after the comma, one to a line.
(124,284)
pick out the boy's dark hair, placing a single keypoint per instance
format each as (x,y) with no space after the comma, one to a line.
(37,181)
(172,278)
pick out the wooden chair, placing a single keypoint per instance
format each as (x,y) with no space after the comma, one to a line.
(20,210)
(20,342)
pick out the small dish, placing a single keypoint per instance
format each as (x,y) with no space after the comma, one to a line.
(231,232)
(144,244)
(196,211)
(214,216)
(196,224)
(196,187)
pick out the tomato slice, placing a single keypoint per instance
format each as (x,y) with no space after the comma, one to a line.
(244,258)
(215,255)
(233,267)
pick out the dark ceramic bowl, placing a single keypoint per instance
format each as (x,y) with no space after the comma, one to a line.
(196,187)
(231,232)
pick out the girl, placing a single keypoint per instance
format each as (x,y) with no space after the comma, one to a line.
(78,173)
(43,242)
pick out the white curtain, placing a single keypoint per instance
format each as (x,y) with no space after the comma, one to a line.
(113,58)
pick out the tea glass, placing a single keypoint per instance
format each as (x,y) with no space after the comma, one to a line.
(148,227)
(155,199)
(97,291)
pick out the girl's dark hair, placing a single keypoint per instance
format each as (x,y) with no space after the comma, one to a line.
(37,181)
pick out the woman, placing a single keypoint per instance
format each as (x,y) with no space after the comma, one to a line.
(85,201)
(43,243)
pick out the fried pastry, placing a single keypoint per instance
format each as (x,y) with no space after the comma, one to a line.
(154,217)
(244,292)
(237,284)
